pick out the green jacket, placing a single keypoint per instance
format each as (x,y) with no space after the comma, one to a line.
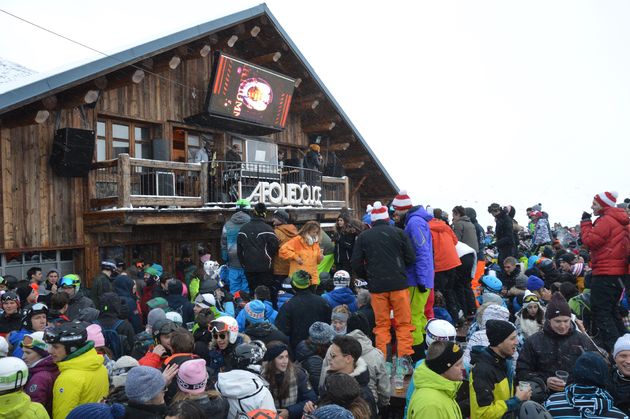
(491,385)
(82,379)
(18,405)
(434,396)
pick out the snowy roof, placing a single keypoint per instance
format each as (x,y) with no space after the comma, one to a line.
(11,72)
(41,87)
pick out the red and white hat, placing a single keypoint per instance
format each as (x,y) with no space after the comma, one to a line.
(607,199)
(402,201)
(379,212)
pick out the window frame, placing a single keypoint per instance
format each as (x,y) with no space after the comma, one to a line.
(109,136)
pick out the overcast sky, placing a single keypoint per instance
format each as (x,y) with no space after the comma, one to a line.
(463,102)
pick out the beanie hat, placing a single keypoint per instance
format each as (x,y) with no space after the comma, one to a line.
(321,333)
(339,315)
(452,353)
(537,207)
(274,351)
(314,147)
(622,344)
(494,312)
(332,411)
(402,201)
(368,209)
(558,306)
(379,212)
(121,369)
(262,414)
(281,215)
(530,298)
(568,257)
(590,369)
(341,279)
(534,283)
(95,334)
(498,330)
(143,384)
(192,376)
(157,302)
(607,199)
(155,315)
(97,411)
(255,312)
(23,292)
(301,279)
(260,210)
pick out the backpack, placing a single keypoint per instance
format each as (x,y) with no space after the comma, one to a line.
(113,340)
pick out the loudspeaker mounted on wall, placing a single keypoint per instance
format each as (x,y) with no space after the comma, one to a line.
(72,153)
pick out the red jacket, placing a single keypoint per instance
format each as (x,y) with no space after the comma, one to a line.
(444,241)
(608,240)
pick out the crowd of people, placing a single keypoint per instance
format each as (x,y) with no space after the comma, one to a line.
(512,322)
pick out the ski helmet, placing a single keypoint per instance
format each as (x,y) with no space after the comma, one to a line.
(247,355)
(225,324)
(263,414)
(72,335)
(10,296)
(13,373)
(532,410)
(175,317)
(35,309)
(341,279)
(163,327)
(438,329)
(108,264)
(71,280)
(492,283)
(11,281)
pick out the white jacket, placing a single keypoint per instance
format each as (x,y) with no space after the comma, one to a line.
(244,391)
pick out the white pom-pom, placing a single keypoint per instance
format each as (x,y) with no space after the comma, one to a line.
(368,208)
(402,192)
(615,194)
(377,205)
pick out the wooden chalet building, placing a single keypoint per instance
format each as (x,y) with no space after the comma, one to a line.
(98,161)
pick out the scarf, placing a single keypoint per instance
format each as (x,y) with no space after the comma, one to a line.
(292,398)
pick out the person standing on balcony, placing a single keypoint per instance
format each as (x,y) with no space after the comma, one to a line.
(236,275)
(313,159)
(257,244)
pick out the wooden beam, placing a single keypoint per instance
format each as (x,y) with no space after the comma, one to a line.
(338,147)
(309,98)
(272,57)
(124,181)
(354,158)
(359,184)
(319,127)
(304,106)
(354,165)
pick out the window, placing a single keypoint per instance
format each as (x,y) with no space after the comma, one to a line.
(17,264)
(186,144)
(117,137)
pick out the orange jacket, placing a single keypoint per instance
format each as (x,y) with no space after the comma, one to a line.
(284,232)
(444,241)
(311,256)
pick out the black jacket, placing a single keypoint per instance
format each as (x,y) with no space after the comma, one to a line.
(620,390)
(381,255)
(309,361)
(10,323)
(545,352)
(177,302)
(111,313)
(504,231)
(257,244)
(343,250)
(265,332)
(311,160)
(362,375)
(144,411)
(297,315)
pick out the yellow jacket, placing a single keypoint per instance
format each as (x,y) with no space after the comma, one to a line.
(18,405)
(311,256)
(82,379)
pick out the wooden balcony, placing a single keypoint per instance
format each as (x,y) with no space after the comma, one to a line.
(141,186)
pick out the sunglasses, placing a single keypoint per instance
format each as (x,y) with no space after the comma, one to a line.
(219,336)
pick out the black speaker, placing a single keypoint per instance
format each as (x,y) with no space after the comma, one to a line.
(72,152)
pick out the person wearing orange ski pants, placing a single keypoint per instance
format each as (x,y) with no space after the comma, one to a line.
(382,304)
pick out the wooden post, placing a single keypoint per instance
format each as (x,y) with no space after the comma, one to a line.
(347,190)
(203,182)
(124,181)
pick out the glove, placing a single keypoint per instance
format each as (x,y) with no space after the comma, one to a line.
(586,216)
(421,288)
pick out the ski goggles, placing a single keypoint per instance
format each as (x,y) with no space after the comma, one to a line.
(68,282)
(9,296)
(218,327)
(29,342)
(531,299)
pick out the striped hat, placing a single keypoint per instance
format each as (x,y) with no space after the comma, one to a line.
(379,212)
(402,201)
(607,199)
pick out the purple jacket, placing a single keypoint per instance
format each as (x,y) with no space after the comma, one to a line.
(417,229)
(40,382)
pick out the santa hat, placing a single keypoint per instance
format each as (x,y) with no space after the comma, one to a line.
(402,201)
(607,199)
(379,212)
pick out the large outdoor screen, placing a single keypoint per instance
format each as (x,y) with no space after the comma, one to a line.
(245,91)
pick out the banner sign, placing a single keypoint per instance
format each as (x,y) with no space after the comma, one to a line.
(287,194)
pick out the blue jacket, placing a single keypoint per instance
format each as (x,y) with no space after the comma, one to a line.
(417,229)
(270,315)
(577,402)
(123,286)
(283,298)
(15,339)
(229,236)
(341,296)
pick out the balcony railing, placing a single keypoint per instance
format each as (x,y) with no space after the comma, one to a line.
(128,182)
